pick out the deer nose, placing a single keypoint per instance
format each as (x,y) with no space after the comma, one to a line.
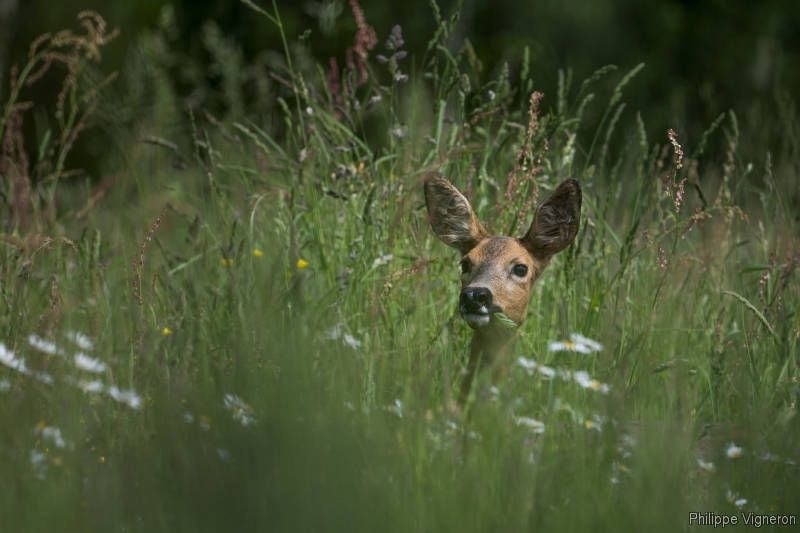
(474,299)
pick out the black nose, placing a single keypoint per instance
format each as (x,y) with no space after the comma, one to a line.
(472,299)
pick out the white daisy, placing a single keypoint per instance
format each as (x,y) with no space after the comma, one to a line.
(593,345)
(91,386)
(708,467)
(52,434)
(583,379)
(532,366)
(8,358)
(538,427)
(733,451)
(128,397)
(241,411)
(89,364)
(44,346)
(397,408)
(577,343)
(83,342)
(39,463)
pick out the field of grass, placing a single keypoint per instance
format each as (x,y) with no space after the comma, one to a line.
(249,325)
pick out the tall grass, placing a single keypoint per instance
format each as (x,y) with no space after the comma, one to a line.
(272,325)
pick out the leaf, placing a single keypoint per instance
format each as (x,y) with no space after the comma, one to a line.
(503,319)
(755,311)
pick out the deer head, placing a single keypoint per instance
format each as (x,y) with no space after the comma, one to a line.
(498,273)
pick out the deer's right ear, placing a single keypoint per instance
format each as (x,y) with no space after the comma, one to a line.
(452,218)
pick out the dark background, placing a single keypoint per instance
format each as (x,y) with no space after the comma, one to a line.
(702,57)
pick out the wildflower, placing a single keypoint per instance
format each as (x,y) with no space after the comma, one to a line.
(382,260)
(577,343)
(590,424)
(258,253)
(42,345)
(240,410)
(708,467)
(301,264)
(129,397)
(89,364)
(736,500)
(584,380)
(399,132)
(351,341)
(532,366)
(733,451)
(8,358)
(397,408)
(39,463)
(91,386)
(395,39)
(596,423)
(83,342)
(336,333)
(205,422)
(166,332)
(227,262)
(188,417)
(50,434)
(5,385)
(538,427)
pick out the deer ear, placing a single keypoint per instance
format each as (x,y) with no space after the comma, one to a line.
(556,221)
(452,218)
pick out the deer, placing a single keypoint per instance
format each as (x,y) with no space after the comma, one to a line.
(498,272)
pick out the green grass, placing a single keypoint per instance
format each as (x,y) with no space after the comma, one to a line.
(349,361)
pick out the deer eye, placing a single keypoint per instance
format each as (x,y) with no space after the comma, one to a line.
(464,266)
(520,270)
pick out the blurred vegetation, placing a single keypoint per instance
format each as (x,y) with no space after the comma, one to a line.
(223,307)
(703,57)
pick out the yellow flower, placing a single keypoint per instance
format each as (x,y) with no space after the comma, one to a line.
(301,264)
(166,332)
(227,262)
(258,253)
(289,274)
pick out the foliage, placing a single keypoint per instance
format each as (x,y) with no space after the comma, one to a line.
(253,325)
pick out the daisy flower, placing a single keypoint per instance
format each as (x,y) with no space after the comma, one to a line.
(128,397)
(240,410)
(577,343)
(733,451)
(538,427)
(89,364)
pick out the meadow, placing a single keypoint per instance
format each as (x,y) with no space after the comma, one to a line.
(247,324)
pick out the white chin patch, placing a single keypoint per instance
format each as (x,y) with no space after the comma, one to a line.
(475,320)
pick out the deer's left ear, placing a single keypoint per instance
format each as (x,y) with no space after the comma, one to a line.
(556,221)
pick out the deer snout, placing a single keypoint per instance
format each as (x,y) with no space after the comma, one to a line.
(475,300)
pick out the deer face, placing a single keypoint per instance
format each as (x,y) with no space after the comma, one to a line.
(497,273)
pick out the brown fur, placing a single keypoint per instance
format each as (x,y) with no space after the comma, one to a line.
(491,261)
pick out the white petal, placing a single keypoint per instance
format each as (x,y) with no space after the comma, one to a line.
(83,342)
(129,397)
(89,364)
(42,345)
(590,344)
